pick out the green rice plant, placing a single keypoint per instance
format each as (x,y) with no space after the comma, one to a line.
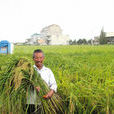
(84,75)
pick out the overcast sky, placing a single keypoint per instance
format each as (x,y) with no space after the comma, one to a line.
(19,19)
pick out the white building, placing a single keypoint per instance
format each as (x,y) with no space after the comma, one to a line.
(53,35)
(50,35)
(110,37)
(36,39)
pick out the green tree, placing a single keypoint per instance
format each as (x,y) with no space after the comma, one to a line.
(74,42)
(84,41)
(89,41)
(103,39)
(70,42)
(80,41)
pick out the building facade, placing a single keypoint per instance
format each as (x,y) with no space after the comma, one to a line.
(50,35)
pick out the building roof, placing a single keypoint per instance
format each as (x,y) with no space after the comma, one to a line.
(109,34)
(4,43)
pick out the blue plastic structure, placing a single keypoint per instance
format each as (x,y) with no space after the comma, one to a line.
(5,47)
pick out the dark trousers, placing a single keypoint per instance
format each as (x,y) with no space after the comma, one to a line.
(32,110)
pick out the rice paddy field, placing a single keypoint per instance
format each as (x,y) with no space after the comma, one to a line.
(84,75)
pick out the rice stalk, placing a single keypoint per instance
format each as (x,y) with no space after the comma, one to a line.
(17,79)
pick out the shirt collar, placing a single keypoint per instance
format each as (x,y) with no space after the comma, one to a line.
(36,68)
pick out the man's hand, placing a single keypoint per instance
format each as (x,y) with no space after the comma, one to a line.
(37,89)
(49,94)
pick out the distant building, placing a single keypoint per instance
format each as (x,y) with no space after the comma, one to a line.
(36,39)
(96,40)
(53,35)
(50,35)
(108,35)
(60,40)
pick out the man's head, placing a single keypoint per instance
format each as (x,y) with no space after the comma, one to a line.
(38,57)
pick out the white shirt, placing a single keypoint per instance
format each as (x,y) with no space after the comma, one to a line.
(48,76)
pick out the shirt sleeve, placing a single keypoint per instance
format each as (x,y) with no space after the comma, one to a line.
(52,81)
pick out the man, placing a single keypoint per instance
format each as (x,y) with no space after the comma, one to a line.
(46,74)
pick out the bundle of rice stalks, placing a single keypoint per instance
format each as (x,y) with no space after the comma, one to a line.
(18,73)
(54,105)
(15,83)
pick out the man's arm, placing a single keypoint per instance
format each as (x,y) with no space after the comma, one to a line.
(53,86)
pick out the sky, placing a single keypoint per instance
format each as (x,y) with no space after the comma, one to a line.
(19,19)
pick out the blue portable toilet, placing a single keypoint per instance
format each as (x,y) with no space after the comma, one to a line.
(5,47)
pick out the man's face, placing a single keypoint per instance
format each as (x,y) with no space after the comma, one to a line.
(38,59)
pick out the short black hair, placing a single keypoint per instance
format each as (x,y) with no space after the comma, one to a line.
(37,51)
